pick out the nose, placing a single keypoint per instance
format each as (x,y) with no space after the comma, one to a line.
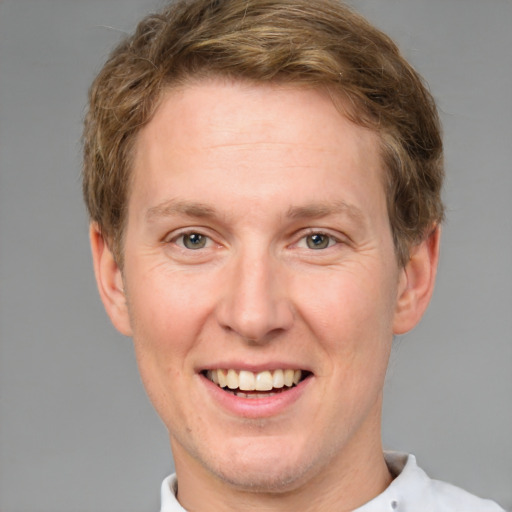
(254,303)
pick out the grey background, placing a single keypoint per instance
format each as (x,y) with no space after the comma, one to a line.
(76,430)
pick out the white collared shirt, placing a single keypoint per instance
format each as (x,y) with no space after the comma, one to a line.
(411,491)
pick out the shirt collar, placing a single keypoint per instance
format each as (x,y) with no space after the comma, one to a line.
(410,486)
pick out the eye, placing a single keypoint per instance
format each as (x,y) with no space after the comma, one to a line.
(317,241)
(193,241)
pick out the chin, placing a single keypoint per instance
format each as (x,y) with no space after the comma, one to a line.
(263,480)
(264,470)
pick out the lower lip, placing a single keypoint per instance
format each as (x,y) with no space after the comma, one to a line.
(264,407)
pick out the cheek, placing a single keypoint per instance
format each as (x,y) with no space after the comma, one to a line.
(347,302)
(167,313)
(350,314)
(166,322)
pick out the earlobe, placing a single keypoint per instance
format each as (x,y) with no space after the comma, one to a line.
(110,281)
(417,283)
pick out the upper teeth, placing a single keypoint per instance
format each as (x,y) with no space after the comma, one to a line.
(249,381)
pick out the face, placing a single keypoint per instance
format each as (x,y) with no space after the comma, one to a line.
(261,281)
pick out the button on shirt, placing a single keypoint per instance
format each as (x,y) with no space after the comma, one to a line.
(411,491)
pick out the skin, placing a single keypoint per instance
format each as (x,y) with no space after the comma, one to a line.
(258,170)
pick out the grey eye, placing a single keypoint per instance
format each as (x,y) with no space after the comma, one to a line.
(194,241)
(318,241)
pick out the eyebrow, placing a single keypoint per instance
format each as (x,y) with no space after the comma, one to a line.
(318,210)
(200,210)
(175,207)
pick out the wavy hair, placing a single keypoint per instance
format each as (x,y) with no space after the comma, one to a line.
(319,43)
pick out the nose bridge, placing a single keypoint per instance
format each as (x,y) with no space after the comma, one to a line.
(254,304)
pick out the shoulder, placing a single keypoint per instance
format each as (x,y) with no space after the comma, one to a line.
(449,498)
(413,490)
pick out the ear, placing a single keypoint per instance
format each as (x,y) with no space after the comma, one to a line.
(110,281)
(417,283)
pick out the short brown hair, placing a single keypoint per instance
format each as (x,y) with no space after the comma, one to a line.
(319,43)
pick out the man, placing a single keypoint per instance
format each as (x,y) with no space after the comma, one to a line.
(263,180)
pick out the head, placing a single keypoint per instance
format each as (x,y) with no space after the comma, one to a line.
(263,182)
(321,44)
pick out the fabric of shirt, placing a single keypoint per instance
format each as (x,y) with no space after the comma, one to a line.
(410,491)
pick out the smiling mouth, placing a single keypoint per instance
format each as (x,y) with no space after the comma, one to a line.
(247,384)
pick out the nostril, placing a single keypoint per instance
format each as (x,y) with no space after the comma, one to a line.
(254,308)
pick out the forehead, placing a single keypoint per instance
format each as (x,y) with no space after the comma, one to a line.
(260,136)
(221,103)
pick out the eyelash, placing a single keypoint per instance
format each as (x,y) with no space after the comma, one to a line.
(331,240)
(182,236)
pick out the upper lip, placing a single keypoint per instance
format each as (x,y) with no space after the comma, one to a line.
(255,368)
